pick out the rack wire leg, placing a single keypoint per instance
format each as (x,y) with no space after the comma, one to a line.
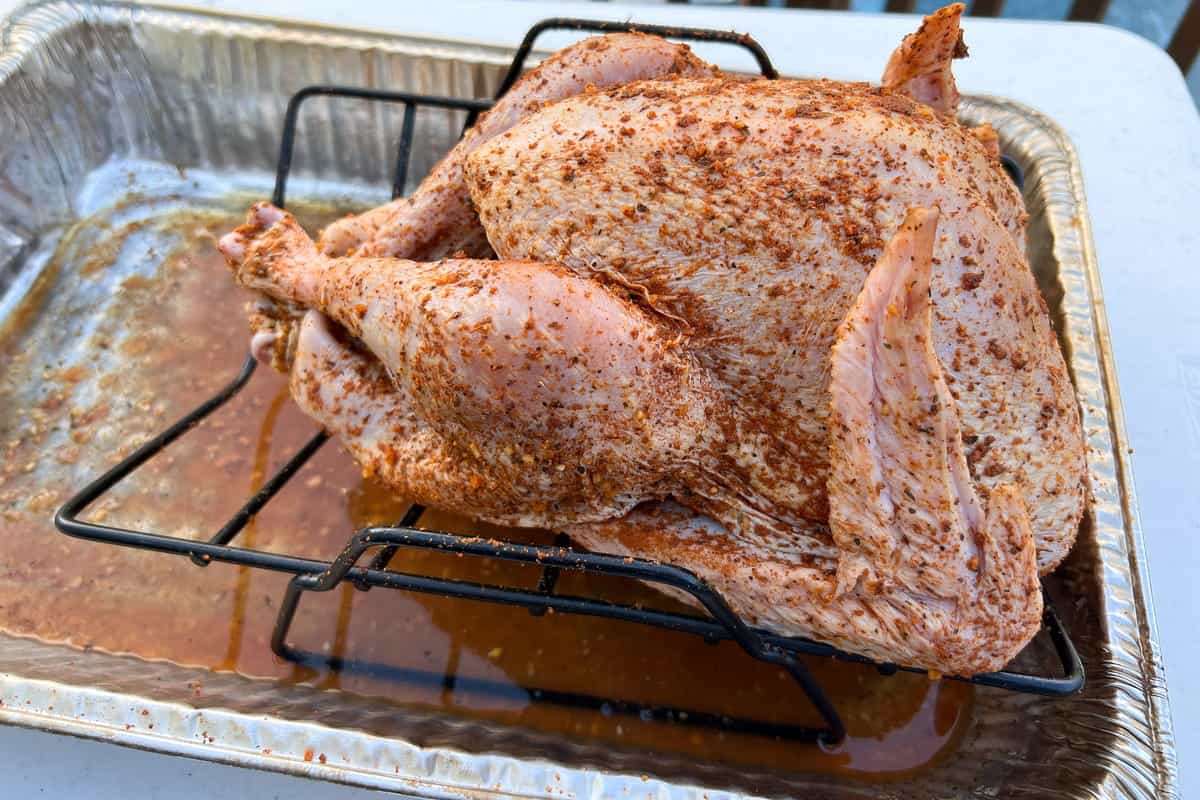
(322,582)
(835,728)
(283,620)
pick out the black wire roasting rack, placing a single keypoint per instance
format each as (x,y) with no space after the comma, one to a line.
(720,622)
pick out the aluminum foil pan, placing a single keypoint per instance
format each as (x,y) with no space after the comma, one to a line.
(115,118)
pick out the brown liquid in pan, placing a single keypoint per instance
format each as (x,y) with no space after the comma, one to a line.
(116,357)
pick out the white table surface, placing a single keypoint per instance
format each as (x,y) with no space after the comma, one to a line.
(1128,111)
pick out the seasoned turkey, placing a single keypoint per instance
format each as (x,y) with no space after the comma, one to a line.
(782,333)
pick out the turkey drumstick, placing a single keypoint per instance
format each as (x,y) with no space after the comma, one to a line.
(563,402)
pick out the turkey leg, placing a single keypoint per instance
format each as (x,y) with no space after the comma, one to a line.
(562,401)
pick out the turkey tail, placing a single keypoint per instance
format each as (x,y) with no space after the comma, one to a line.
(920,66)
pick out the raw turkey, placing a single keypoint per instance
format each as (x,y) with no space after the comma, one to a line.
(781,333)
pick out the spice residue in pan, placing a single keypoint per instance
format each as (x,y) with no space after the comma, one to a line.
(133,322)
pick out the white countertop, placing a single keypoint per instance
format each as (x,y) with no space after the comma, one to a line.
(1128,111)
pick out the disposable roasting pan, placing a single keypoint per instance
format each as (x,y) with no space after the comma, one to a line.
(107,106)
